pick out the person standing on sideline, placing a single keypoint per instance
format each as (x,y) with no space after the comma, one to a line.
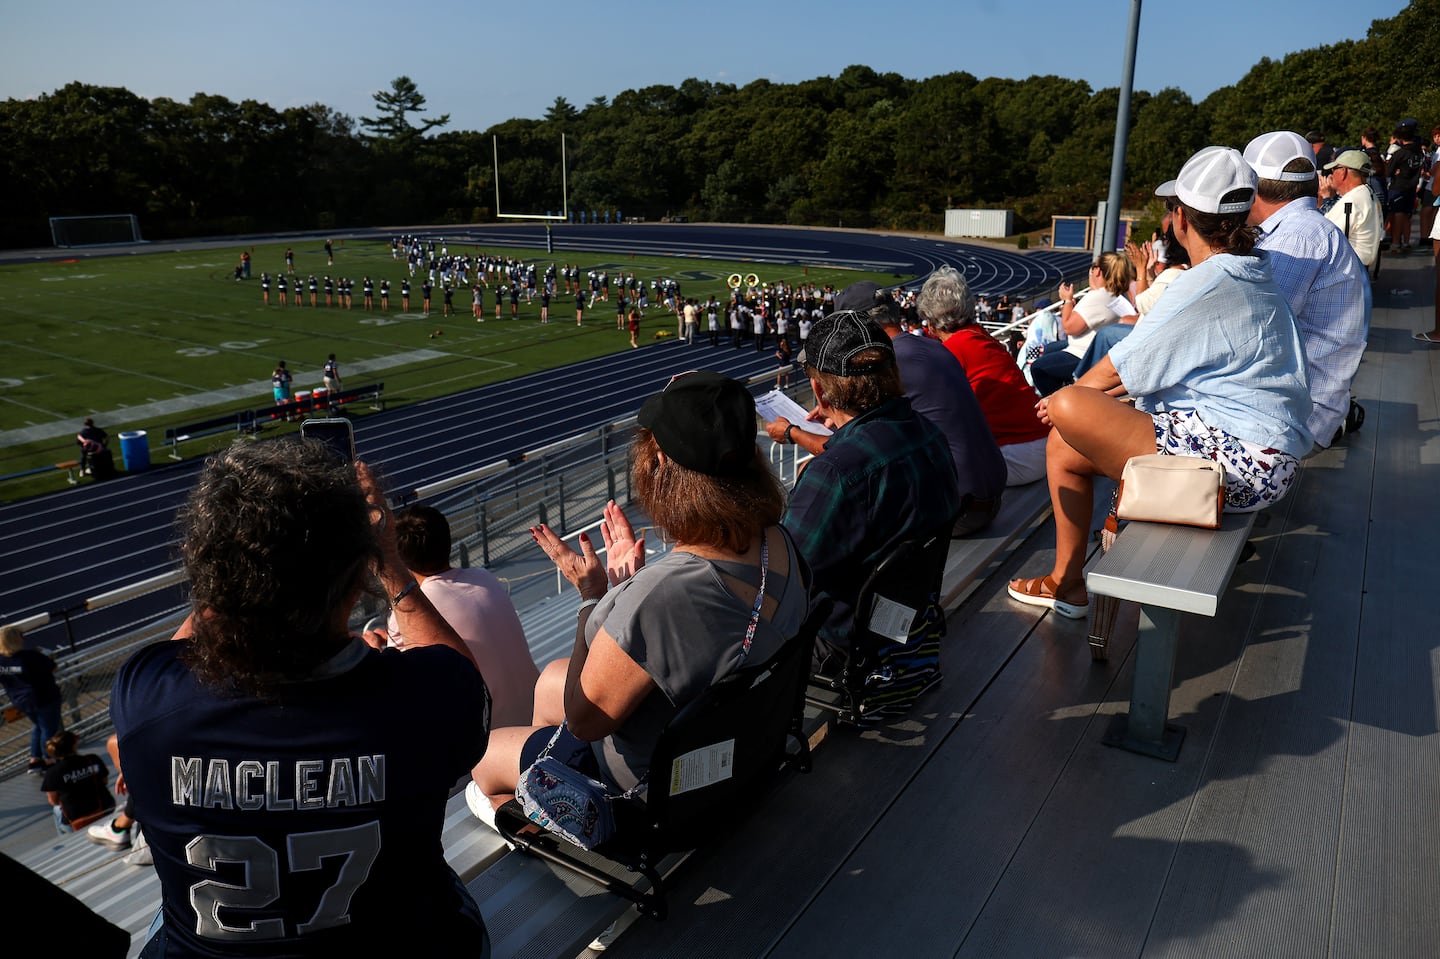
(28,677)
(265,288)
(280,381)
(692,317)
(329,253)
(331,375)
(93,441)
(545,305)
(404,296)
(580,308)
(785,362)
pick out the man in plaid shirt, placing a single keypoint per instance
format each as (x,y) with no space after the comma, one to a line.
(886,473)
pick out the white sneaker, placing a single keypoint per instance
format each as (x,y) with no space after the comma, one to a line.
(140,854)
(602,942)
(479,804)
(106,834)
(481,809)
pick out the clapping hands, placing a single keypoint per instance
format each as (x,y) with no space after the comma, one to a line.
(624,554)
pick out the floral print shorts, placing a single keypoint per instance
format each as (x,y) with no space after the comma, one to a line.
(1255,477)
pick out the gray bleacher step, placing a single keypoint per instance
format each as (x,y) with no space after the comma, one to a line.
(534,908)
(550,626)
(1021,510)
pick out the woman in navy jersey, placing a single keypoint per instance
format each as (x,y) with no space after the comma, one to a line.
(292,780)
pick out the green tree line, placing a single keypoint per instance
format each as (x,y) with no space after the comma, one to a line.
(858,149)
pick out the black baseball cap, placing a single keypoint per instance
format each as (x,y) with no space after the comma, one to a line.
(704,421)
(836,340)
(861,296)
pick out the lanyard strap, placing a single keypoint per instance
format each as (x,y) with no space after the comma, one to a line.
(759,599)
(744,651)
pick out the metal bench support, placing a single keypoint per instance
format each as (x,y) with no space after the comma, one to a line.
(1144,729)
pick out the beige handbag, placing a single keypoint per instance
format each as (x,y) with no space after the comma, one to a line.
(1157,488)
(1185,490)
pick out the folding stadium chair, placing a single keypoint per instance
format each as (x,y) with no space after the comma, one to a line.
(894,650)
(754,716)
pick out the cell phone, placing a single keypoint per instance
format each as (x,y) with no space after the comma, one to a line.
(337,433)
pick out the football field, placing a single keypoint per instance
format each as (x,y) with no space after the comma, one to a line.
(157,339)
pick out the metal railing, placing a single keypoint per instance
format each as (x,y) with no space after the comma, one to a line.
(491,510)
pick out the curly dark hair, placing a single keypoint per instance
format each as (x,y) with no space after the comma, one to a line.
(276,539)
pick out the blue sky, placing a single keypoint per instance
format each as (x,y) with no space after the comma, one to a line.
(485,62)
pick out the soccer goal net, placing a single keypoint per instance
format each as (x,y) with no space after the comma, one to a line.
(95,230)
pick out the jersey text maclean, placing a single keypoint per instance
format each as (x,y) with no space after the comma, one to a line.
(271,786)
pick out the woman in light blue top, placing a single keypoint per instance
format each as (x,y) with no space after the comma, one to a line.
(1216,370)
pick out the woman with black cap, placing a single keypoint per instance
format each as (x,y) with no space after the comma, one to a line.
(651,638)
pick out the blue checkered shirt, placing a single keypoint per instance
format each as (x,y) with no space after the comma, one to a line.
(1327,289)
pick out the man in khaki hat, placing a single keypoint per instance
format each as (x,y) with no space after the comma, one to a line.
(1355,212)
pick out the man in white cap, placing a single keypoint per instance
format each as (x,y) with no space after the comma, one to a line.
(1314,266)
(1355,212)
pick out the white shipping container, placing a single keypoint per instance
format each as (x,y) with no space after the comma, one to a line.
(995,224)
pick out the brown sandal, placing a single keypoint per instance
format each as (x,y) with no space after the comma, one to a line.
(1042,592)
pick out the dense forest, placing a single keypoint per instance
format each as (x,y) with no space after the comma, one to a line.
(859,149)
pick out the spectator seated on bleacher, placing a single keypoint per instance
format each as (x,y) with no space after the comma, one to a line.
(474,602)
(1152,278)
(1216,370)
(885,476)
(937,389)
(77,786)
(1104,303)
(292,782)
(652,638)
(1006,399)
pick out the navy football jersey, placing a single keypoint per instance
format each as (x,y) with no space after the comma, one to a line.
(308,825)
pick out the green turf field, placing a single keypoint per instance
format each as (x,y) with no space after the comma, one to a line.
(153,340)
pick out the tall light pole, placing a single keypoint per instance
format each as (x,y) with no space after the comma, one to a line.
(1110,234)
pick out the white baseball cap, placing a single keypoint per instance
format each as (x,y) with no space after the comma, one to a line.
(1271,153)
(1207,177)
